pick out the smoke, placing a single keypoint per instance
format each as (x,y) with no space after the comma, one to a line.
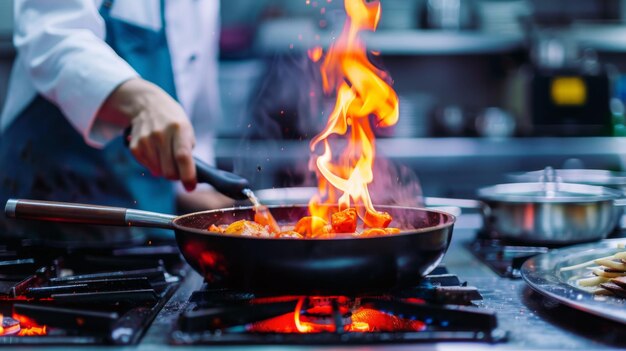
(395,184)
(287,112)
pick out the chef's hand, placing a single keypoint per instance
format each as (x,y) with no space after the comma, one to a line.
(161,138)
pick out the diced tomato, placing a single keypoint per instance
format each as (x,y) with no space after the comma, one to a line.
(377,219)
(371,232)
(392,230)
(215,229)
(344,221)
(311,227)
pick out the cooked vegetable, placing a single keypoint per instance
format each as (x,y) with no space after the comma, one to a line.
(377,219)
(341,222)
(344,221)
(215,229)
(247,228)
(312,227)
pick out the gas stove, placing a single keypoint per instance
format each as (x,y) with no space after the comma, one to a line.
(81,296)
(440,308)
(95,296)
(146,298)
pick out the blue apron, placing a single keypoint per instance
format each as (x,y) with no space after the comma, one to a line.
(43,157)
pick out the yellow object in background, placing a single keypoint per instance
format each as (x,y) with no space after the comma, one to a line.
(568,91)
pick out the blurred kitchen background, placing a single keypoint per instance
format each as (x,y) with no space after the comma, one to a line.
(487,87)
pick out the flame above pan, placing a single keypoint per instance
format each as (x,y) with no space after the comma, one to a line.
(364,96)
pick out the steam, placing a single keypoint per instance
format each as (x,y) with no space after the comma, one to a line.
(395,184)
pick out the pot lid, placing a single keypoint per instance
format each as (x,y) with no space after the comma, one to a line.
(581,176)
(548,192)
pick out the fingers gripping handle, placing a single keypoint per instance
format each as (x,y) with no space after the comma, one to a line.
(227,183)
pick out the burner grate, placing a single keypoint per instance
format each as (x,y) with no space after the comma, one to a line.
(439,309)
(81,297)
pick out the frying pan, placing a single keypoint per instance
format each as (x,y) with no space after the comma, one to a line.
(342,265)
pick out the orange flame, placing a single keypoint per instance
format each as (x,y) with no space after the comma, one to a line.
(29,327)
(362,92)
(302,327)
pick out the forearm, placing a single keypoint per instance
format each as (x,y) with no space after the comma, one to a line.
(61,46)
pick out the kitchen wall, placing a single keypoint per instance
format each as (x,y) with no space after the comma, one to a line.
(461,81)
(458,79)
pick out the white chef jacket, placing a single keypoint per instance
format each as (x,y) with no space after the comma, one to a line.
(62,55)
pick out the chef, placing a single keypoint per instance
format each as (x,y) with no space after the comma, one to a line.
(85,71)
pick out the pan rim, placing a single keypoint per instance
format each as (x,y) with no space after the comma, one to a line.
(450,221)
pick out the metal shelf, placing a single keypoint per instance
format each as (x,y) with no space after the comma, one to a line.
(605,38)
(301,34)
(414,42)
(414,148)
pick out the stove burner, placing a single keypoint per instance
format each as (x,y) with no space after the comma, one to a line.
(440,308)
(10,326)
(81,295)
(323,313)
(502,257)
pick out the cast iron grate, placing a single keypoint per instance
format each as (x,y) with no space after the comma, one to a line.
(439,309)
(83,296)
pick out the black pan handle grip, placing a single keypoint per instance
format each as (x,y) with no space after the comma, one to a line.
(227,183)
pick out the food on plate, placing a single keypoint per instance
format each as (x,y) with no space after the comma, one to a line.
(604,275)
(341,222)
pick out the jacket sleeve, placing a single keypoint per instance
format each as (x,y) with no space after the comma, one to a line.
(61,44)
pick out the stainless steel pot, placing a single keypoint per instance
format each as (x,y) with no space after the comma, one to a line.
(551,213)
(546,213)
(615,180)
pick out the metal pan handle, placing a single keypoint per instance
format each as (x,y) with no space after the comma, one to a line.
(82,213)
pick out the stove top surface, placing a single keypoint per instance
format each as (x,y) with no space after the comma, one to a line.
(439,309)
(83,296)
(532,321)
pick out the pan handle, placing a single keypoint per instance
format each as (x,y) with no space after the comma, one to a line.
(82,213)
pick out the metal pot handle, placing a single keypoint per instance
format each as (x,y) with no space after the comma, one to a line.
(82,213)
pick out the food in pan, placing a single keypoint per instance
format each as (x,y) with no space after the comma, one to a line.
(604,275)
(341,222)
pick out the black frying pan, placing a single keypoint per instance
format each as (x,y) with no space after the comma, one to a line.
(343,265)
